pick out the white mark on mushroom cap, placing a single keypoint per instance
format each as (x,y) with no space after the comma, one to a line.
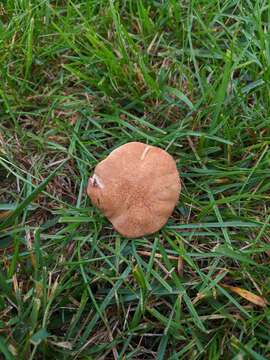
(145,152)
(96,181)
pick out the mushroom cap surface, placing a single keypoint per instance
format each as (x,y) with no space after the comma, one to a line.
(136,187)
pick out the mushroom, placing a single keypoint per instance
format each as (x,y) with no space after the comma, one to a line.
(136,187)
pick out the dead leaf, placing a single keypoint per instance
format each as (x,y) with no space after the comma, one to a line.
(73,119)
(249,296)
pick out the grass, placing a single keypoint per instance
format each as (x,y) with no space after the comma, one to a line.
(79,78)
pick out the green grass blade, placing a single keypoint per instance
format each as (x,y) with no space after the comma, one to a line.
(23,205)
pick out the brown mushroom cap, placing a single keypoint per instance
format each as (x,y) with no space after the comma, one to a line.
(136,187)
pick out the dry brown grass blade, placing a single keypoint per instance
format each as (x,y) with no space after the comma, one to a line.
(4,214)
(157,255)
(249,296)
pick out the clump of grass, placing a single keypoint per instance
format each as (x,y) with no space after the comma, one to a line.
(81,78)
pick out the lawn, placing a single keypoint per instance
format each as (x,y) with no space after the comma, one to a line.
(77,80)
